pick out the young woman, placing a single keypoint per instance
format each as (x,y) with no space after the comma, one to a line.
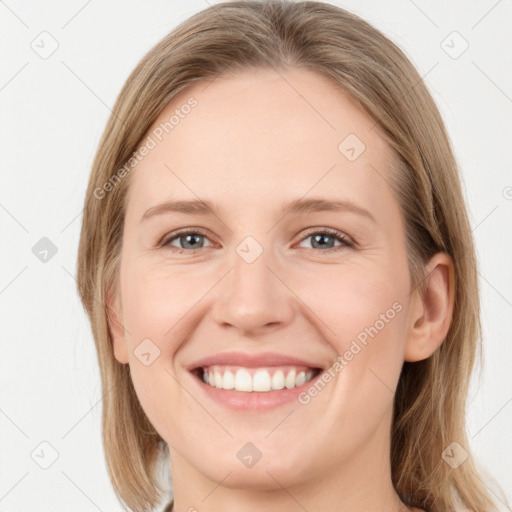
(279,272)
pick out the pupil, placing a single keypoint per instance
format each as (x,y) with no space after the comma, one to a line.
(321,240)
(189,240)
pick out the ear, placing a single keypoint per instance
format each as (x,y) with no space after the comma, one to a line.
(431,314)
(116,328)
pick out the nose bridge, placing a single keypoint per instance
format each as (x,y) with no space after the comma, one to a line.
(252,297)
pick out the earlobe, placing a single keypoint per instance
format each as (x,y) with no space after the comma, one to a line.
(116,329)
(431,314)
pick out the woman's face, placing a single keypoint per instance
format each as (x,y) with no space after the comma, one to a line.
(253,276)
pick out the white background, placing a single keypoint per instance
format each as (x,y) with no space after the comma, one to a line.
(53,113)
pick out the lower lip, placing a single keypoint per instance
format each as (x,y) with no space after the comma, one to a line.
(253,400)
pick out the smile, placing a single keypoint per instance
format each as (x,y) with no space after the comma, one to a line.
(256,379)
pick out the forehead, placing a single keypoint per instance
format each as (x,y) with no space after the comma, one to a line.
(263,136)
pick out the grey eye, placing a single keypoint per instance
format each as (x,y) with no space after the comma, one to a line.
(188,240)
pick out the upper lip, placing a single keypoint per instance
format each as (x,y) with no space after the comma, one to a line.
(251,360)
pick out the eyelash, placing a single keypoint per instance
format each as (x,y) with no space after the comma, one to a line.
(334,233)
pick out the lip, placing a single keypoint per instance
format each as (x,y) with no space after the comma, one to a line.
(251,360)
(251,401)
(255,401)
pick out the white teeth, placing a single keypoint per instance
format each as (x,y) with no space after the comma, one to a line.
(278,380)
(243,381)
(261,381)
(290,380)
(228,381)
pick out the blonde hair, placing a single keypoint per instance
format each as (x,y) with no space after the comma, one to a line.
(243,36)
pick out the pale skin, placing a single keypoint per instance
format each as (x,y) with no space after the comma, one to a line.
(251,146)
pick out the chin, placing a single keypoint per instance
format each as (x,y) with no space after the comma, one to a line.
(268,474)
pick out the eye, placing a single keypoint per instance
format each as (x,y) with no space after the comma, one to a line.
(186,240)
(326,238)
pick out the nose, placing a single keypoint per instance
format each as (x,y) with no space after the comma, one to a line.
(253,298)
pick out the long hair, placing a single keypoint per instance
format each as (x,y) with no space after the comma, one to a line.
(430,400)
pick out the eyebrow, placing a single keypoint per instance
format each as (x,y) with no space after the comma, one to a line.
(299,206)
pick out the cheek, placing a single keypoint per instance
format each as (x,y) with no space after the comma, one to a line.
(156,300)
(155,306)
(349,301)
(365,321)
(160,398)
